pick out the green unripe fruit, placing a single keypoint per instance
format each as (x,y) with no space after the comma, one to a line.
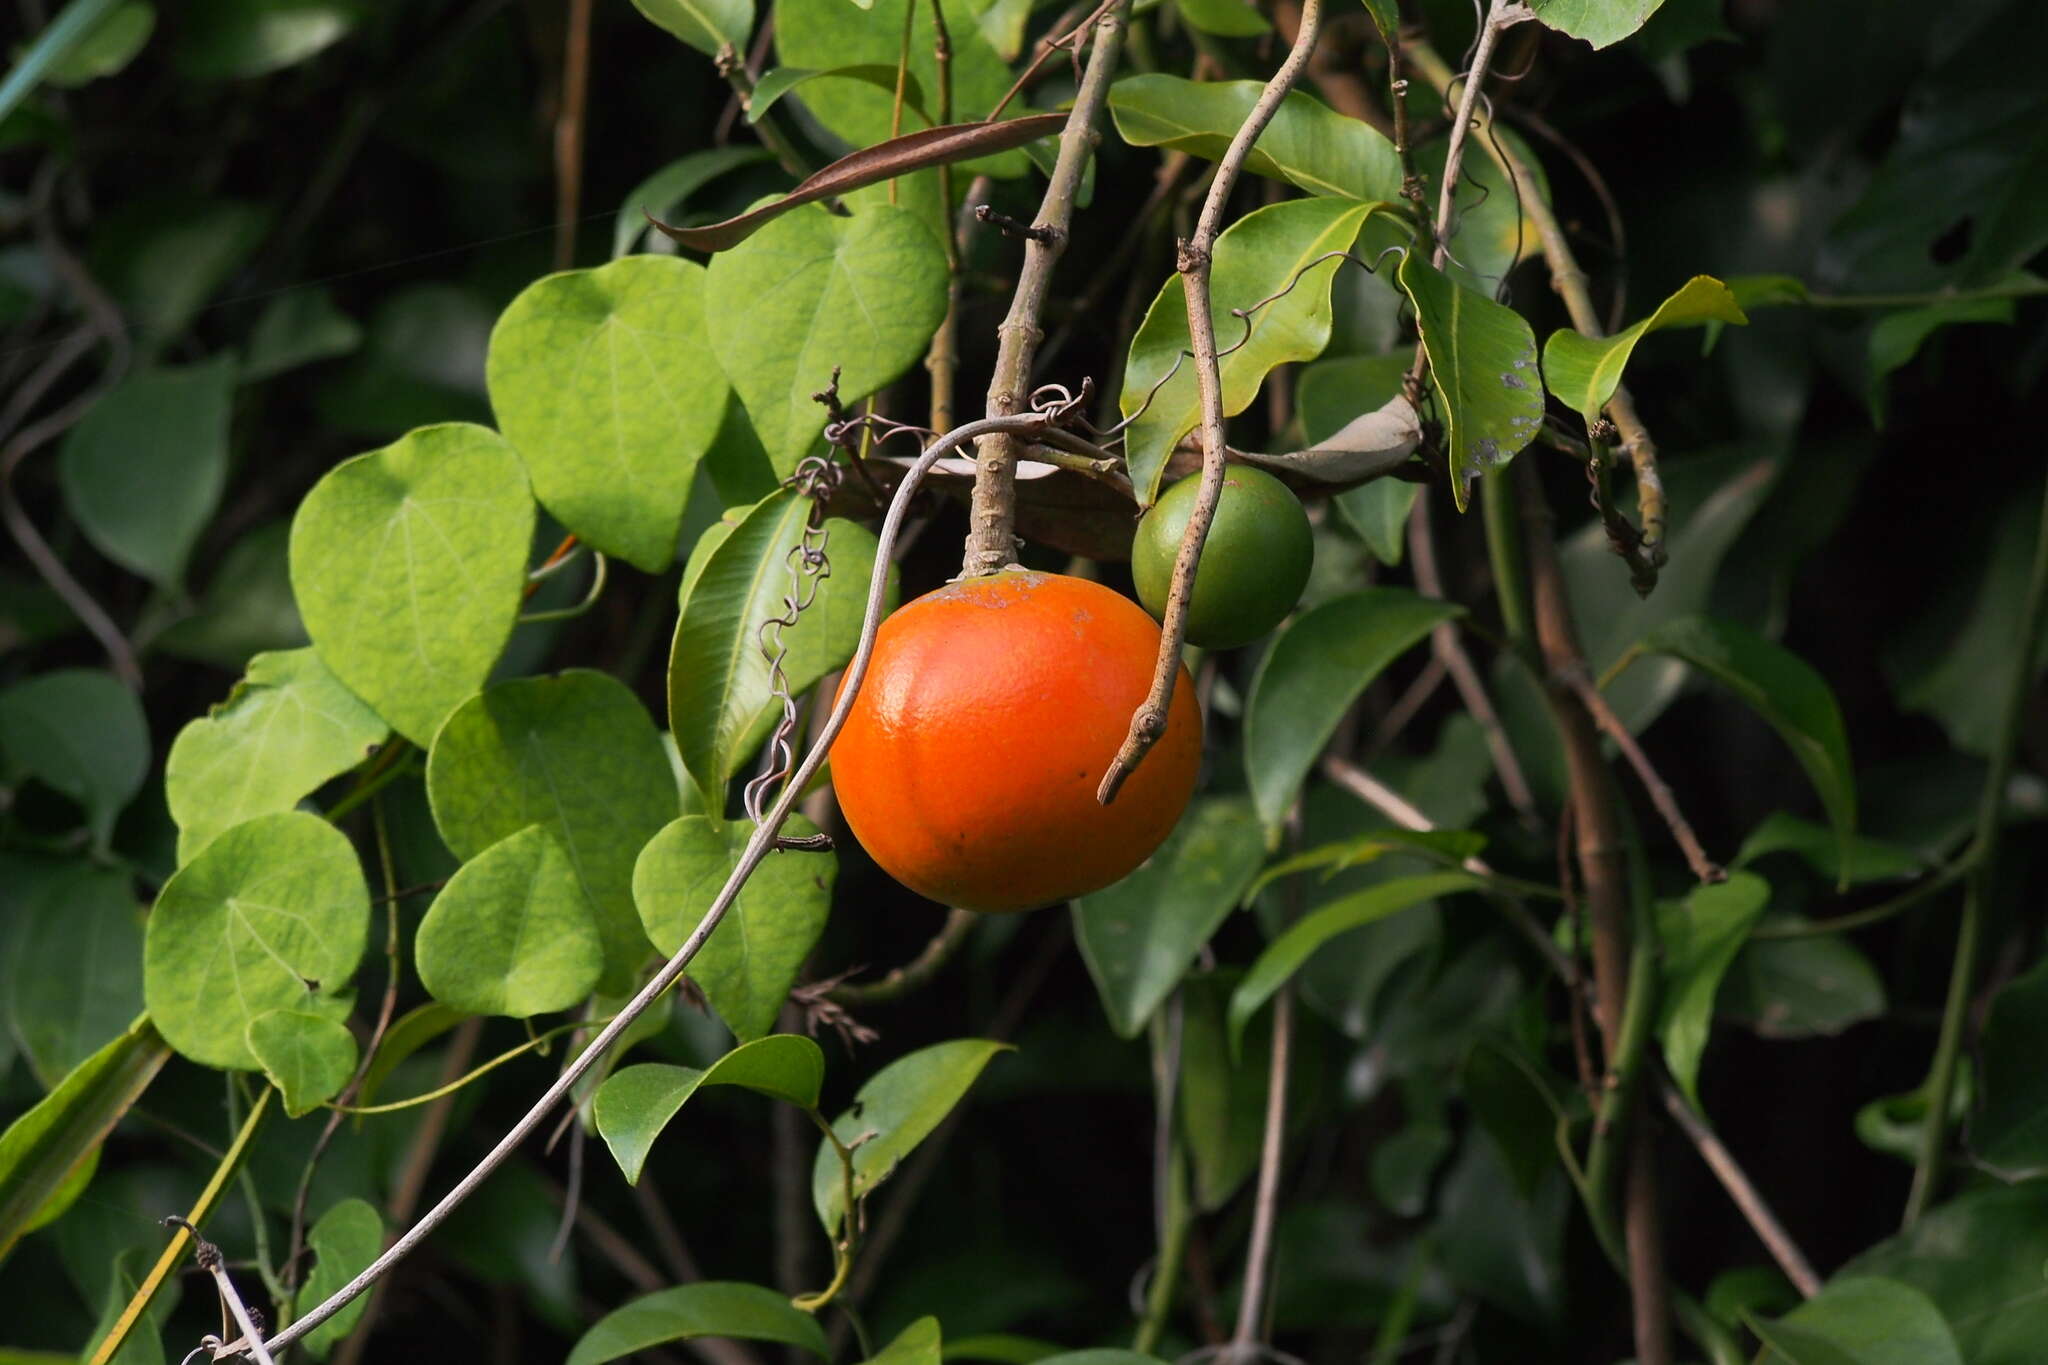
(1255,561)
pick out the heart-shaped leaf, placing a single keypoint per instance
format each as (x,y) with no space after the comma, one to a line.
(1257,257)
(308,1057)
(1140,935)
(810,293)
(1482,366)
(634,1106)
(603,382)
(79,731)
(272,915)
(344,1242)
(409,565)
(1599,22)
(512,932)
(577,755)
(288,726)
(747,966)
(1320,662)
(73,965)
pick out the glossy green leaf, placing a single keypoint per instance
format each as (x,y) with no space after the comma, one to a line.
(236,39)
(1801,987)
(42,1151)
(634,1105)
(345,1240)
(1898,337)
(1482,367)
(1257,257)
(1450,847)
(720,698)
(512,932)
(409,564)
(708,1308)
(1585,371)
(1979,1257)
(1285,954)
(308,1057)
(747,966)
(576,754)
(79,732)
(1701,937)
(773,85)
(1600,22)
(663,194)
(299,327)
(892,1113)
(74,967)
(603,382)
(288,726)
(811,292)
(1782,689)
(917,1344)
(1862,1320)
(706,25)
(1140,935)
(107,46)
(1308,144)
(1319,663)
(1869,860)
(272,915)
(827,33)
(1330,394)
(2010,1134)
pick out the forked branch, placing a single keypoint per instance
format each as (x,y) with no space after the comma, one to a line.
(1148,723)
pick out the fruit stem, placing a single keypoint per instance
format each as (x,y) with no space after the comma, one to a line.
(992,511)
(1148,722)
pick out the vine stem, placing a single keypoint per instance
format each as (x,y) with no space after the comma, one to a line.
(1569,280)
(1195,256)
(1983,864)
(912,975)
(759,845)
(1735,1180)
(992,508)
(1500,17)
(1265,1208)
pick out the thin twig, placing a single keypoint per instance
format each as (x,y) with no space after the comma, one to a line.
(1266,1205)
(208,1258)
(1195,256)
(757,849)
(1705,869)
(569,132)
(913,974)
(1499,18)
(1736,1181)
(992,507)
(1449,650)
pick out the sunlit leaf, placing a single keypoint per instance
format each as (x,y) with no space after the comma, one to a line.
(512,932)
(635,1104)
(1307,144)
(308,1057)
(1585,371)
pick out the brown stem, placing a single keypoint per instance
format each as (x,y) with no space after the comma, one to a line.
(1499,18)
(1703,867)
(1195,256)
(992,509)
(1643,1228)
(1412,185)
(1736,1181)
(1265,1208)
(569,132)
(943,359)
(1449,649)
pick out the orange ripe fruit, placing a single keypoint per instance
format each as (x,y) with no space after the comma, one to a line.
(990,712)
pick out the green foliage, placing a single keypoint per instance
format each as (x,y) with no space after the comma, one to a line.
(635,1104)
(74,968)
(708,1308)
(747,966)
(1585,371)
(1701,936)
(513,931)
(408,565)
(576,755)
(1256,258)
(1307,144)
(277,907)
(82,733)
(1139,936)
(308,1057)
(1861,1321)
(603,382)
(1482,365)
(345,1239)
